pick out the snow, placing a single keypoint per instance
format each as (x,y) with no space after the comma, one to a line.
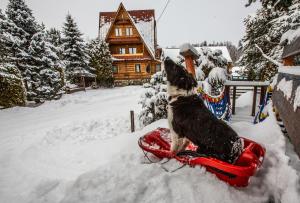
(237,71)
(297,99)
(245,99)
(147,31)
(218,74)
(174,53)
(290,35)
(79,149)
(104,28)
(293,70)
(286,87)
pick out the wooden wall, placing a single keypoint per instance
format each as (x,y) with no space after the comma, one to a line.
(290,118)
(126,70)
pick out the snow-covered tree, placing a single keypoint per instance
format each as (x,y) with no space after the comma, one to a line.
(274,3)
(262,44)
(74,51)
(19,13)
(21,26)
(210,59)
(46,79)
(154,100)
(217,78)
(101,61)
(257,28)
(12,90)
(55,38)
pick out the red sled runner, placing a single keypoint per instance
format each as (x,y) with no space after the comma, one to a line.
(238,174)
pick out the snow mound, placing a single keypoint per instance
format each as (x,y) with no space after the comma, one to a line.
(128,179)
(245,99)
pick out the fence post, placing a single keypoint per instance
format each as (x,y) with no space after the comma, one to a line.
(132,121)
(233,100)
(254,101)
(153,111)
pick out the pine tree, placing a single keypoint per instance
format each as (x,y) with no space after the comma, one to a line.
(19,13)
(257,28)
(264,31)
(46,79)
(21,27)
(101,61)
(74,51)
(12,90)
(55,38)
(276,3)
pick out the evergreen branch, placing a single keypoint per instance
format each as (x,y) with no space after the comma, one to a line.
(277,2)
(267,57)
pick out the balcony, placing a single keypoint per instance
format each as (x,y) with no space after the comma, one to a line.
(124,40)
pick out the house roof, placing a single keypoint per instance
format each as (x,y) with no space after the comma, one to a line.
(292,48)
(144,21)
(174,53)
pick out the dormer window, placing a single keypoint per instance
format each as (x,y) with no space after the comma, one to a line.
(118,32)
(129,31)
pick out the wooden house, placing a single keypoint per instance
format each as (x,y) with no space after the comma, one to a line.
(287,94)
(132,38)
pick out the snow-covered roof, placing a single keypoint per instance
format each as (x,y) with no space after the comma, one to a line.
(143,20)
(293,70)
(174,53)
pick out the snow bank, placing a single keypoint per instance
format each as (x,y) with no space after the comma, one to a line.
(245,99)
(128,179)
(79,149)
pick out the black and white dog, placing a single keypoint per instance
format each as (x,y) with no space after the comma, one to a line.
(190,120)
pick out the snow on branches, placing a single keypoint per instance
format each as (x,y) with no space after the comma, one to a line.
(154,100)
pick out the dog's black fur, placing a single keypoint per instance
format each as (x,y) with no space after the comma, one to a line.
(189,118)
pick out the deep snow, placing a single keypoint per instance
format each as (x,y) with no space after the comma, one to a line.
(79,149)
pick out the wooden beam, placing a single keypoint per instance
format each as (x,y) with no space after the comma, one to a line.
(254,101)
(233,100)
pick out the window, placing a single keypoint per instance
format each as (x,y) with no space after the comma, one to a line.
(148,69)
(122,51)
(137,68)
(158,67)
(132,50)
(129,31)
(118,32)
(297,60)
(115,69)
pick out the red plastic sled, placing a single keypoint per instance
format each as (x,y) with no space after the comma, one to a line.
(157,142)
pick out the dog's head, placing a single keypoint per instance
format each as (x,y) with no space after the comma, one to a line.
(180,82)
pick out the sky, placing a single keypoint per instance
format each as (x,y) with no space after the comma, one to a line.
(183,20)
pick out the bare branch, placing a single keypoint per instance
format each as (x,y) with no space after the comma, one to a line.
(267,57)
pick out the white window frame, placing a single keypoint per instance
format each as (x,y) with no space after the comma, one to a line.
(132,50)
(122,50)
(129,31)
(139,68)
(118,32)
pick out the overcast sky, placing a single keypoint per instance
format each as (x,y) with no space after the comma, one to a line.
(183,20)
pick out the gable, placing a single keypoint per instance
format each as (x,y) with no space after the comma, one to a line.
(143,22)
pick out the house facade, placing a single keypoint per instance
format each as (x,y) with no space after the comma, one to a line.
(132,39)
